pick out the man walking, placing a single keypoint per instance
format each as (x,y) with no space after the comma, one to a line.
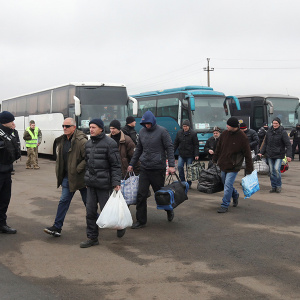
(277,145)
(232,147)
(9,152)
(188,146)
(129,130)
(211,143)
(70,169)
(153,144)
(103,173)
(262,132)
(33,137)
(252,137)
(295,134)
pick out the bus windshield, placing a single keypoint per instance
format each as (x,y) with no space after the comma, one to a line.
(284,109)
(107,103)
(209,113)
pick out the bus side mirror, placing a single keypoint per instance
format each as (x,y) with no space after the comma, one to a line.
(134,106)
(192,101)
(236,100)
(77,106)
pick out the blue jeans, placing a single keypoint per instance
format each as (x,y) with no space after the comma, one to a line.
(181,162)
(275,174)
(229,191)
(65,201)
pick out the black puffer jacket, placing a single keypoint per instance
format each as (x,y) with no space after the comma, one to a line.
(295,133)
(103,165)
(277,143)
(211,144)
(187,143)
(130,131)
(253,139)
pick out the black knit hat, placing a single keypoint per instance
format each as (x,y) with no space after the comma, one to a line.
(186,122)
(6,117)
(277,120)
(130,119)
(233,122)
(98,122)
(243,125)
(116,124)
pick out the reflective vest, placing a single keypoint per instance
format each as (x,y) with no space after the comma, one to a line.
(34,138)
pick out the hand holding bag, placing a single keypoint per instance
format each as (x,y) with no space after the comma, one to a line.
(250,184)
(129,188)
(115,214)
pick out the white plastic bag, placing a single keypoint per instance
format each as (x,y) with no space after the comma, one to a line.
(115,214)
(250,184)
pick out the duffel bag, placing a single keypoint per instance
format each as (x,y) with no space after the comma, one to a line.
(210,180)
(171,195)
(261,167)
(193,170)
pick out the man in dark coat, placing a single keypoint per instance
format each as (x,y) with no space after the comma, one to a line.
(262,132)
(153,145)
(103,173)
(70,168)
(295,134)
(277,145)
(9,152)
(129,130)
(188,145)
(211,143)
(231,150)
(252,137)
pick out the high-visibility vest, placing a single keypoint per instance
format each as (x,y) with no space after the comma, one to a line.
(34,138)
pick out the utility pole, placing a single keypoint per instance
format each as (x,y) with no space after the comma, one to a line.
(208,70)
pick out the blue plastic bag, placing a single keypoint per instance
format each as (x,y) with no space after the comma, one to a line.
(250,184)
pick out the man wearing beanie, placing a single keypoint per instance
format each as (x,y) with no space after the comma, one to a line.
(252,137)
(295,134)
(277,145)
(153,148)
(211,144)
(103,173)
(125,144)
(129,130)
(9,152)
(262,132)
(188,146)
(232,148)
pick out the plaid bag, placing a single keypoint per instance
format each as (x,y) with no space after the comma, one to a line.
(129,188)
(261,166)
(194,169)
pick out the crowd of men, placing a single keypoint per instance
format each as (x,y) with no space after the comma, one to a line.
(96,166)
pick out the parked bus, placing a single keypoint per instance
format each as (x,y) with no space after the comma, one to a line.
(258,109)
(81,101)
(204,107)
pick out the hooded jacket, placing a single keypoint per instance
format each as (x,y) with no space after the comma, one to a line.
(152,146)
(103,166)
(76,160)
(277,143)
(295,133)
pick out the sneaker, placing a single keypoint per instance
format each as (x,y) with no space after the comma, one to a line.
(53,231)
(236,201)
(121,232)
(272,190)
(278,189)
(222,209)
(36,167)
(89,243)
(137,225)
(28,167)
(170,215)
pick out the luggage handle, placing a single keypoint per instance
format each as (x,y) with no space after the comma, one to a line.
(170,176)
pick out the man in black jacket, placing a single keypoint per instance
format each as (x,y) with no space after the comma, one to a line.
(262,132)
(211,143)
(295,134)
(277,144)
(129,130)
(9,152)
(103,173)
(188,145)
(153,145)
(252,137)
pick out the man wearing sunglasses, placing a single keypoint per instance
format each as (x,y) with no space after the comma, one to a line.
(70,169)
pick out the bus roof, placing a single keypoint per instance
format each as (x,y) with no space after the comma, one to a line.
(267,96)
(192,89)
(74,84)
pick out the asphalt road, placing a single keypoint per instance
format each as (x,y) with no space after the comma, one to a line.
(251,252)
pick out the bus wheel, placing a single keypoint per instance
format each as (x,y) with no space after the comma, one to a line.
(54,155)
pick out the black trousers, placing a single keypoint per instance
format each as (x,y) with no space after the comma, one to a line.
(94,196)
(5,194)
(294,146)
(155,178)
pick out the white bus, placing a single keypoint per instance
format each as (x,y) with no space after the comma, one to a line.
(81,101)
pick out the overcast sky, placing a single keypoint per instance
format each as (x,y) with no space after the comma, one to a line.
(253,45)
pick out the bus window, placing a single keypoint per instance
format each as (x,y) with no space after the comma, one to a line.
(60,99)
(258,117)
(44,102)
(21,107)
(32,104)
(145,105)
(167,107)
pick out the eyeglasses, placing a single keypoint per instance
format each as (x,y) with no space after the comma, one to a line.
(67,126)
